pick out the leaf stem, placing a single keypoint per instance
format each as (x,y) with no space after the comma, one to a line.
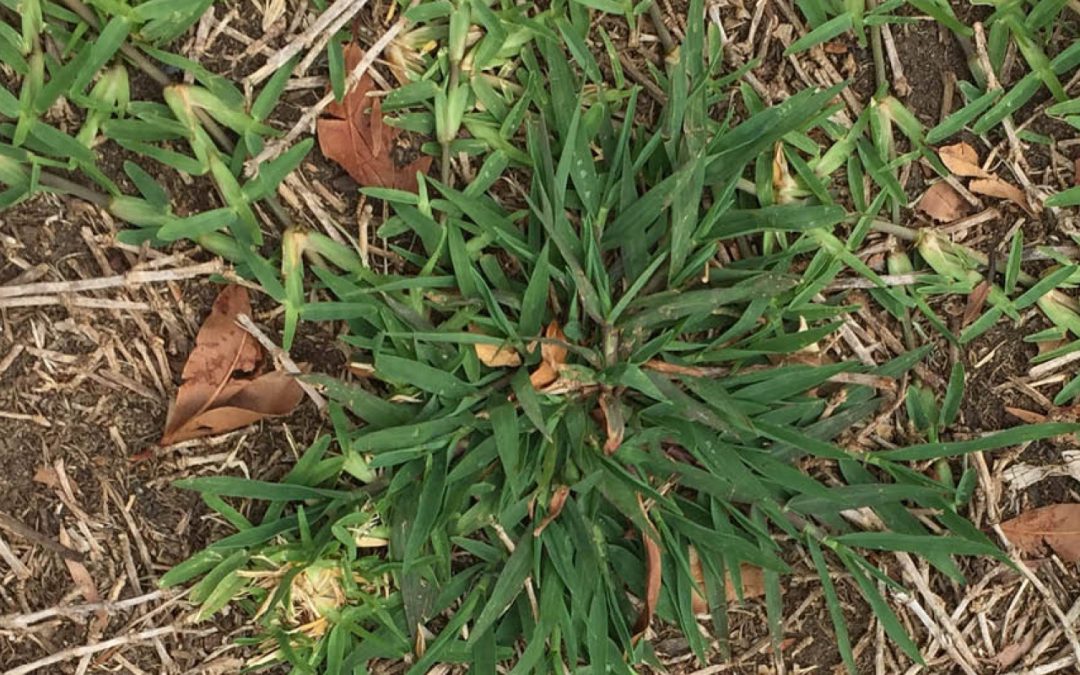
(72,188)
(444,172)
(662,32)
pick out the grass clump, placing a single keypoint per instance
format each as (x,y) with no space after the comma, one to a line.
(596,396)
(571,394)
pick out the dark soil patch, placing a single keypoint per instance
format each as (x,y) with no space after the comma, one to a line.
(929,55)
(79,393)
(992,359)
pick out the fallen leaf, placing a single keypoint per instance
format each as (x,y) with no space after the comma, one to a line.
(85,583)
(47,476)
(1056,526)
(942,203)
(497,356)
(753,583)
(554,508)
(995,187)
(962,160)
(553,356)
(1049,345)
(1011,653)
(653,578)
(1027,416)
(359,141)
(543,375)
(975,303)
(221,388)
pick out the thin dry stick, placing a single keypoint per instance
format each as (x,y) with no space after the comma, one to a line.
(900,82)
(324,37)
(130,279)
(78,652)
(1051,637)
(1053,365)
(529,590)
(10,357)
(23,621)
(992,83)
(279,354)
(74,301)
(641,78)
(1047,668)
(891,280)
(272,150)
(952,640)
(17,527)
(14,562)
(1048,597)
(300,42)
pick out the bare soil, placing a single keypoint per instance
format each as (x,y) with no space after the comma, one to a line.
(84,395)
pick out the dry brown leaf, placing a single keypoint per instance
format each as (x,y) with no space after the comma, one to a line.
(85,583)
(221,389)
(359,141)
(360,369)
(1056,527)
(698,603)
(47,476)
(975,303)
(552,354)
(962,160)
(1026,415)
(614,422)
(554,508)
(942,203)
(753,583)
(653,578)
(1013,652)
(995,187)
(543,375)
(1049,345)
(497,356)
(783,184)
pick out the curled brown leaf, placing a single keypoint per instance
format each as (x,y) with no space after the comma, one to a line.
(962,160)
(553,355)
(352,134)
(555,506)
(999,189)
(221,389)
(653,578)
(497,356)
